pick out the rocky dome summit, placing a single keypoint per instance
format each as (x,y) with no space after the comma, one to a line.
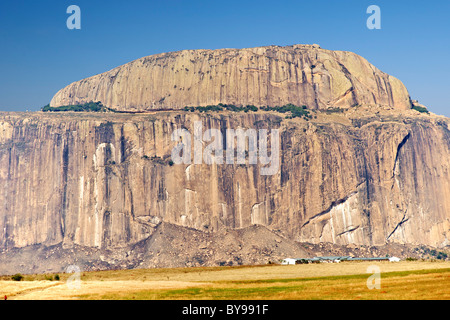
(262,76)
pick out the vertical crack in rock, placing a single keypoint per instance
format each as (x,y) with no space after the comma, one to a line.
(65,166)
(366,179)
(123,143)
(396,168)
(286,144)
(314,88)
(400,146)
(349,77)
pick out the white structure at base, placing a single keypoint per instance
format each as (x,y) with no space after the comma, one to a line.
(288,261)
(394,259)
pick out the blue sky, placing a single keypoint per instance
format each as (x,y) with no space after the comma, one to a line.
(39,55)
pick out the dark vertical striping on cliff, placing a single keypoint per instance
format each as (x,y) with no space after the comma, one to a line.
(335,165)
(65,169)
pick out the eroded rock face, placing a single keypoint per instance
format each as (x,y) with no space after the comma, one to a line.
(367,176)
(273,75)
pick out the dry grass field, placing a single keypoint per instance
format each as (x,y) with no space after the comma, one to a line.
(346,280)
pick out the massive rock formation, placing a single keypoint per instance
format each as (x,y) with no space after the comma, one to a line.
(374,172)
(367,176)
(273,75)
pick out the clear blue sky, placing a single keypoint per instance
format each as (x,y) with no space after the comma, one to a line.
(39,55)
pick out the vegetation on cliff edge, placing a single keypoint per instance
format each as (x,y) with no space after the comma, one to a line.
(291,110)
(86,107)
(420,109)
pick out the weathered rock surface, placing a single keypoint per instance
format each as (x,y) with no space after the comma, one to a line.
(273,75)
(101,190)
(368,176)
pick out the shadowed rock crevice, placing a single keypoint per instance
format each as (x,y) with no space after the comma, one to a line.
(346,231)
(397,155)
(402,221)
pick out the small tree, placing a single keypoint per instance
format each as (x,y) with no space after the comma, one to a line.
(17,277)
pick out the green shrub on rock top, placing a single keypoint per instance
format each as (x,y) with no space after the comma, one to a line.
(421,109)
(86,107)
(291,110)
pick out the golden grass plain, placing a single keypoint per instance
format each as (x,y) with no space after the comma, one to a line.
(346,280)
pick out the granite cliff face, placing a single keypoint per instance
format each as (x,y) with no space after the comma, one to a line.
(103,188)
(368,176)
(273,75)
